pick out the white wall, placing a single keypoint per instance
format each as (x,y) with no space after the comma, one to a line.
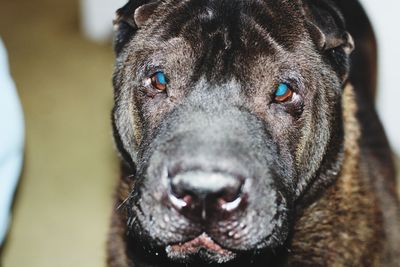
(97,17)
(386,21)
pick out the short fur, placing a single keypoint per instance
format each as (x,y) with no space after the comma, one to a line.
(321,188)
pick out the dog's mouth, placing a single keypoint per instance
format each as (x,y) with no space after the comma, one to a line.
(203,246)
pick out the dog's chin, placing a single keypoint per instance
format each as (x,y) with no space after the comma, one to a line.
(201,248)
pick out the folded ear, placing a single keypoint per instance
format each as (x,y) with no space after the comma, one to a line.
(327,28)
(130,18)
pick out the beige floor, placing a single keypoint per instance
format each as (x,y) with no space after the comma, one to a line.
(64,200)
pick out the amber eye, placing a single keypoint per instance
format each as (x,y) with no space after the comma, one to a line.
(159,81)
(283,93)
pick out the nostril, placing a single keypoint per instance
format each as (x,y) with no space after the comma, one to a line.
(231,205)
(179,202)
(179,197)
(230,199)
(231,193)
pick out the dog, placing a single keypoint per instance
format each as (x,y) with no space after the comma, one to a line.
(248,136)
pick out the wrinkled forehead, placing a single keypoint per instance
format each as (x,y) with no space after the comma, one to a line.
(226,32)
(237,22)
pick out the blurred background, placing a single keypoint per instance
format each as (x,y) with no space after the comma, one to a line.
(61,60)
(64,201)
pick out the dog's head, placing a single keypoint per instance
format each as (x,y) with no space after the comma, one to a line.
(226,110)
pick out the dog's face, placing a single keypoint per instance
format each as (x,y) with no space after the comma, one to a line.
(226,110)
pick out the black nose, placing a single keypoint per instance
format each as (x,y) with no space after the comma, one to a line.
(196,193)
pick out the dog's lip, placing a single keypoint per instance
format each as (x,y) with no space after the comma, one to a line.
(193,246)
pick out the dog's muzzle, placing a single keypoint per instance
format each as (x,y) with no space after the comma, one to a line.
(210,183)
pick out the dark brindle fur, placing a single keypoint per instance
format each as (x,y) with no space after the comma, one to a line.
(216,172)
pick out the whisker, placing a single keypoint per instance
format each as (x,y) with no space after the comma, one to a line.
(124,202)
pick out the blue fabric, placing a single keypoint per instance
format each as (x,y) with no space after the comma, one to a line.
(11,142)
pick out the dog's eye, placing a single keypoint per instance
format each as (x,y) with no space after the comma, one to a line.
(159,81)
(283,93)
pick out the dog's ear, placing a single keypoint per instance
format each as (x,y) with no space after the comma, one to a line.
(130,18)
(327,28)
